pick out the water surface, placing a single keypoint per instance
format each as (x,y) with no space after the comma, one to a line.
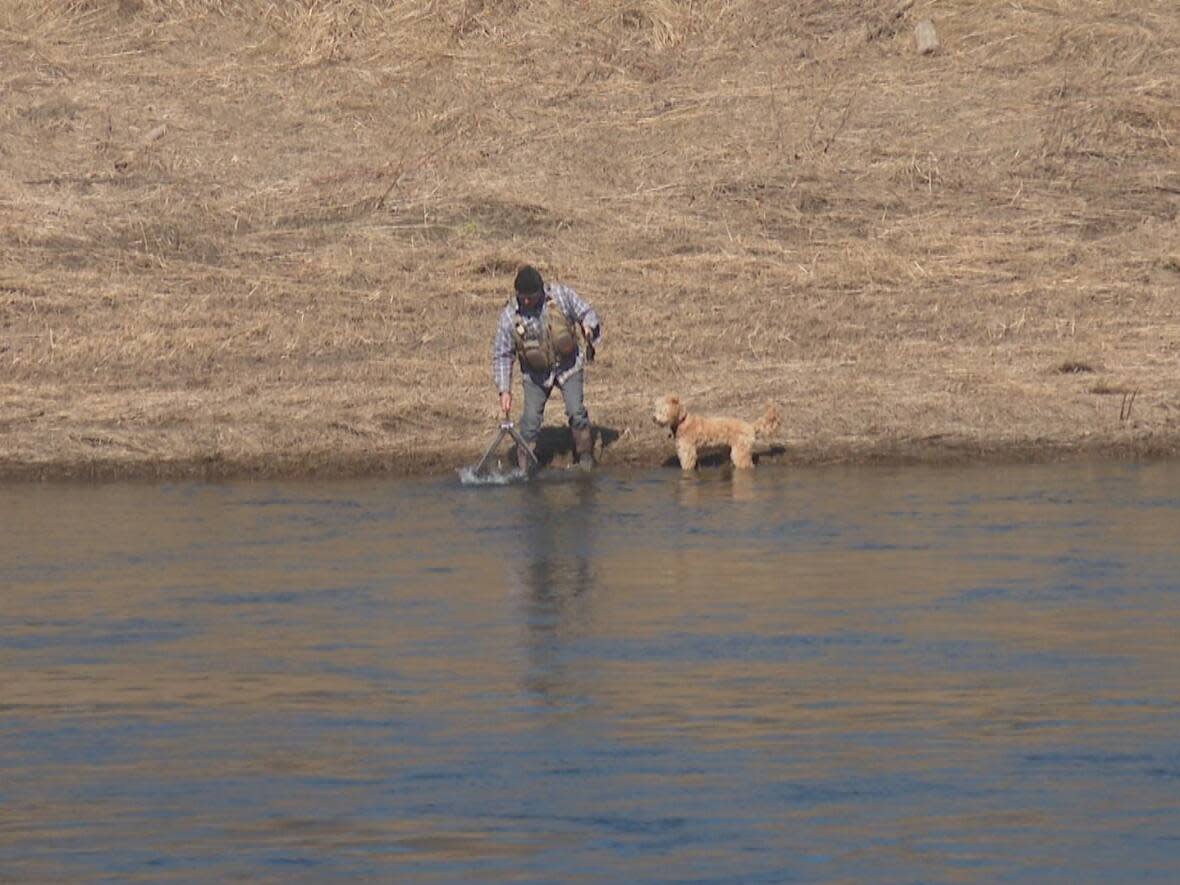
(890,675)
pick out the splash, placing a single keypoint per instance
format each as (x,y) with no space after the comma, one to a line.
(468,477)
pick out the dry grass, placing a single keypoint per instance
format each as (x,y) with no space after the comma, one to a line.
(242,236)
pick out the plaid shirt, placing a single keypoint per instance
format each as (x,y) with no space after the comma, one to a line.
(504,346)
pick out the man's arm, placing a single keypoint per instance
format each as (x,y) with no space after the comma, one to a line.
(583,314)
(503,355)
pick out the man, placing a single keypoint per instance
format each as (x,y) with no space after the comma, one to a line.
(538,328)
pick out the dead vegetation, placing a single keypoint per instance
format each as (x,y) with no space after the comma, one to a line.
(246,237)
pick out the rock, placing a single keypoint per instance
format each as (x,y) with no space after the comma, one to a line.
(927,37)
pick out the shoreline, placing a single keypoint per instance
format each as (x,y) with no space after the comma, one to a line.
(403,462)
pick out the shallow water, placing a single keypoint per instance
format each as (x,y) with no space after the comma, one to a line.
(954,675)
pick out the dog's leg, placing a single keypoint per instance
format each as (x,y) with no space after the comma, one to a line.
(740,454)
(740,451)
(687,453)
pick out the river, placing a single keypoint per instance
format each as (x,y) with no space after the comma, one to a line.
(831,674)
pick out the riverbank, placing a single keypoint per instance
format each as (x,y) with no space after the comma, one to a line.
(253,241)
(334,464)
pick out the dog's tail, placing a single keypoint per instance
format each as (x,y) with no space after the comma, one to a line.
(769,422)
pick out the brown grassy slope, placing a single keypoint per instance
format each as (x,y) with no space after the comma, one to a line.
(302,269)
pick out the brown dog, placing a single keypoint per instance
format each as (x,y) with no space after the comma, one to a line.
(693,432)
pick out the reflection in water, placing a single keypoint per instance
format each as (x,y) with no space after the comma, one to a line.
(555,569)
(699,488)
(946,675)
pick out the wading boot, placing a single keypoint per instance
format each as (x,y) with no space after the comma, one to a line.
(583,448)
(523,461)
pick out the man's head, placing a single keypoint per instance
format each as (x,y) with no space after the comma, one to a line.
(530,288)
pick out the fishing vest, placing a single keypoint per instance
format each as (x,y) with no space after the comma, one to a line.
(544,342)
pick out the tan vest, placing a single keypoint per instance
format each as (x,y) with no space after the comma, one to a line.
(553,342)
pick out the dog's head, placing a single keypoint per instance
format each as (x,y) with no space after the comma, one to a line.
(669,411)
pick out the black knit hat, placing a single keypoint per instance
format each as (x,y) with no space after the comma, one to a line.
(528,281)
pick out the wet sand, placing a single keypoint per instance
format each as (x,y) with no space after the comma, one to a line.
(420,460)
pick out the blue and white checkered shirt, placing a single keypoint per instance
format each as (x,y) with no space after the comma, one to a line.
(504,346)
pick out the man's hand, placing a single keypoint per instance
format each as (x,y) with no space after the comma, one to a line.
(506,403)
(590,333)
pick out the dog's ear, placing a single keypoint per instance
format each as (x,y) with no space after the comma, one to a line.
(681,410)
